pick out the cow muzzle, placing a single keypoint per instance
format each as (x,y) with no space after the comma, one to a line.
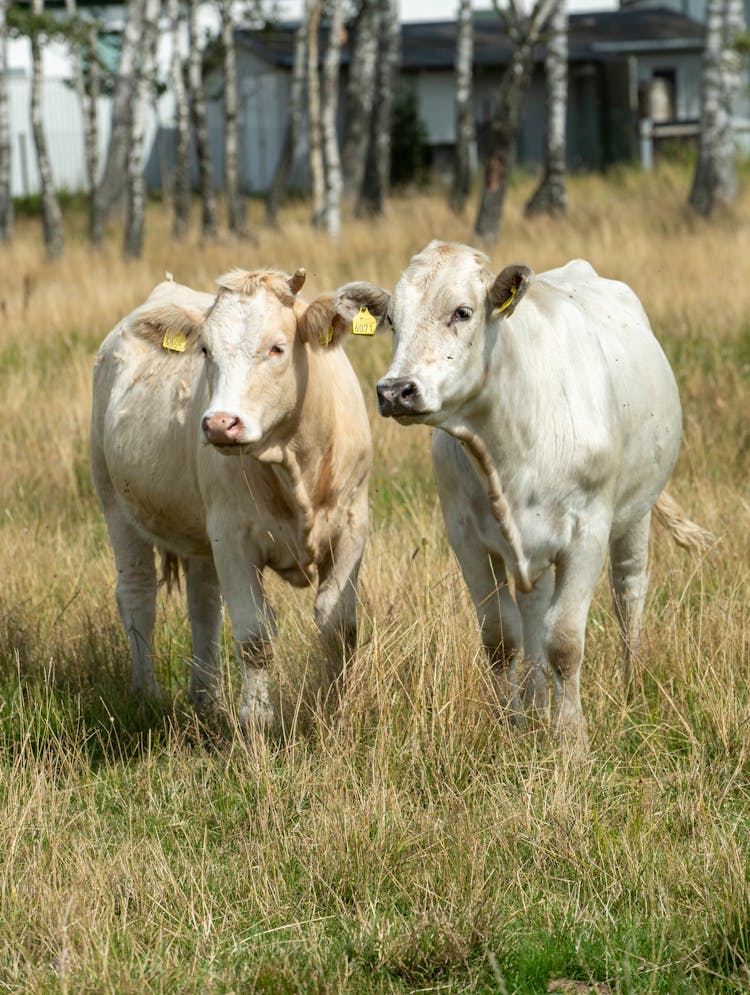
(222,428)
(399,397)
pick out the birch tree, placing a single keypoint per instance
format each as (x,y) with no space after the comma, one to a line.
(51,216)
(360,95)
(236,206)
(523,30)
(330,102)
(377,178)
(200,126)
(464,105)
(293,124)
(114,179)
(6,200)
(142,96)
(87,90)
(317,171)
(181,188)
(550,197)
(715,179)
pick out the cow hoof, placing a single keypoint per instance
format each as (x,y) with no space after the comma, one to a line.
(148,692)
(257,717)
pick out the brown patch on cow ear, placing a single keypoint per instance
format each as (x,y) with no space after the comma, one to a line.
(319,325)
(509,287)
(353,296)
(170,326)
(297,281)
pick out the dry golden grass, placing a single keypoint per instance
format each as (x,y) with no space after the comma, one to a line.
(407,840)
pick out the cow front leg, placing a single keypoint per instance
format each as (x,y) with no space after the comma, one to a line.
(241,580)
(534,682)
(577,571)
(204,609)
(136,602)
(336,600)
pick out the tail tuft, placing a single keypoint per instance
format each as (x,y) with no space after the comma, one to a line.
(690,536)
(170,571)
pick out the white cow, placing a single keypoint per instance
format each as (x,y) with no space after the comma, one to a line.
(560,425)
(231,432)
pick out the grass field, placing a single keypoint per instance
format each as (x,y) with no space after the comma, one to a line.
(408,841)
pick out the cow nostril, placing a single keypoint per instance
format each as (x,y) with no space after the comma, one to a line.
(408,391)
(221,425)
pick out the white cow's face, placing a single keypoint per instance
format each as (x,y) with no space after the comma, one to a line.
(440,312)
(254,340)
(248,341)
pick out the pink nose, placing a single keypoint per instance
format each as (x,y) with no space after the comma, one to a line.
(221,428)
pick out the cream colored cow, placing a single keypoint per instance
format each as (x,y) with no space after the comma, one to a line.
(559,425)
(230,432)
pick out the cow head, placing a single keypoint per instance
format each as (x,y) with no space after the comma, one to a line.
(254,340)
(444,313)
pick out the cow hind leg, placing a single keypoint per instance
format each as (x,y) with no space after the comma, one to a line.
(628,575)
(204,609)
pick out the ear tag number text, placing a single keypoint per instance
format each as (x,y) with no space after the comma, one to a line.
(364,323)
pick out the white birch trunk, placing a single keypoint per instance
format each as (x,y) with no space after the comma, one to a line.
(331,154)
(142,95)
(293,124)
(715,180)
(51,216)
(464,105)
(524,32)
(550,197)
(236,207)
(6,200)
(377,179)
(200,125)
(87,93)
(114,180)
(313,97)
(360,97)
(181,189)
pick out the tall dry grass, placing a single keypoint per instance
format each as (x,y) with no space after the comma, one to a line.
(406,840)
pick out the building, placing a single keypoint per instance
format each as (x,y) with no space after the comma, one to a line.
(634,80)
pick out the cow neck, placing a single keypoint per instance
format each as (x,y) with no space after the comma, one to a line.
(295,468)
(499,505)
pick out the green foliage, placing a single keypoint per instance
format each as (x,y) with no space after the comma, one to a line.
(409,149)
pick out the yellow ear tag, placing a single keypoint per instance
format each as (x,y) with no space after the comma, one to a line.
(364,323)
(175,341)
(506,304)
(327,337)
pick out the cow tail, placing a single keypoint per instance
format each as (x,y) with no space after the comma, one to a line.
(170,571)
(690,536)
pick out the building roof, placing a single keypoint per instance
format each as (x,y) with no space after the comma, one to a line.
(432,45)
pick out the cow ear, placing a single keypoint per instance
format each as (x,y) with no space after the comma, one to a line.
(329,319)
(171,326)
(509,287)
(352,297)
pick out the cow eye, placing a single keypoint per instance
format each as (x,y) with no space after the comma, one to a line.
(276,350)
(204,351)
(461,314)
